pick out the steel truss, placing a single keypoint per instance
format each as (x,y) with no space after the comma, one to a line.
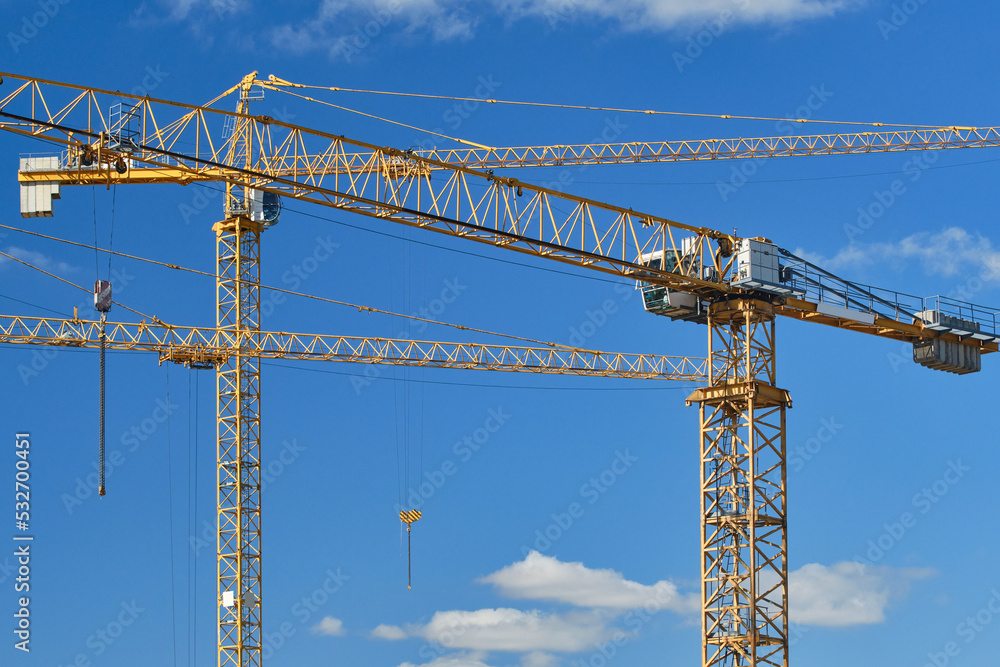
(744,546)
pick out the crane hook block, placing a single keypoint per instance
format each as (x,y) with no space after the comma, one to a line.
(102,296)
(409,517)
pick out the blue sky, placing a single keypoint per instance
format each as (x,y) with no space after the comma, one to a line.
(580,503)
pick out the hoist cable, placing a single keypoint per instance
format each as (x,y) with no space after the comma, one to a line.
(71,284)
(97,254)
(384,120)
(111,241)
(170,526)
(367,309)
(100,483)
(279,83)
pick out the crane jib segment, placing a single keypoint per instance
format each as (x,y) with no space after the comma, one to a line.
(207,347)
(322,168)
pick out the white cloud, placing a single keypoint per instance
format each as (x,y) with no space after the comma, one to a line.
(602,595)
(846,594)
(196,14)
(181,8)
(848,257)
(34,258)
(345,27)
(670,14)
(540,577)
(516,631)
(471,659)
(297,41)
(539,659)
(949,252)
(389,632)
(330,626)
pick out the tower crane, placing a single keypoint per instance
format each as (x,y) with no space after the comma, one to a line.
(737,286)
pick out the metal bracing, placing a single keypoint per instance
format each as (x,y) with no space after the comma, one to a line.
(239,586)
(289,160)
(210,347)
(742,434)
(315,166)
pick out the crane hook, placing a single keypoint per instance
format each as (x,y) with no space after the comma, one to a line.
(409,518)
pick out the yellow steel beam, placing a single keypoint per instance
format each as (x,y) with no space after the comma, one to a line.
(469,203)
(212,346)
(882,327)
(289,165)
(134,176)
(684,150)
(318,167)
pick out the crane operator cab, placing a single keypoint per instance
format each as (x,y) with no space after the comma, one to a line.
(265,207)
(661,300)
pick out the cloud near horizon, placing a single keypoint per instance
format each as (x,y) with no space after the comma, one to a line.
(840,595)
(950,252)
(343,27)
(540,577)
(330,626)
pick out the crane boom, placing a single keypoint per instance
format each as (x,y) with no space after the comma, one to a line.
(208,347)
(394,185)
(687,150)
(288,161)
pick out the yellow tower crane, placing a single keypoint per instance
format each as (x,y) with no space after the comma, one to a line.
(737,286)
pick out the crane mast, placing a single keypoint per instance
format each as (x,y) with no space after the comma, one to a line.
(737,287)
(744,547)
